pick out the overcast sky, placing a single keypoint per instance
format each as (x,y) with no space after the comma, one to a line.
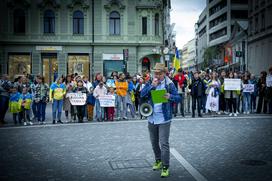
(185,14)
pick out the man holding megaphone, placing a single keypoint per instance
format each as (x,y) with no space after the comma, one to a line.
(160,120)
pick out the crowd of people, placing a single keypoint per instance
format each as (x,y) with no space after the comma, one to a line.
(201,92)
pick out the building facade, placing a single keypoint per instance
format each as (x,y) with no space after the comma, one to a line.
(188,61)
(259,36)
(59,37)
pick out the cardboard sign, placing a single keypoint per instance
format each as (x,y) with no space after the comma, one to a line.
(77,99)
(232,84)
(107,101)
(248,88)
(269,81)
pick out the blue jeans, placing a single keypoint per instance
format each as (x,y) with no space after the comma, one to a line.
(41,106)
(99,110)
(121,100)
(246,101)
(57,106)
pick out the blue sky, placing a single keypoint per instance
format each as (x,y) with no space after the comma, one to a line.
(185,14)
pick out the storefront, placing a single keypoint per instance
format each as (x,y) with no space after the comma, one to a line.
(113,62)
(79,64)
(19,64)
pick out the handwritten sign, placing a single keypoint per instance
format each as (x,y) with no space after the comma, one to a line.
(77,99)
(107,101)
(269,81)
(232,84)
(248,88)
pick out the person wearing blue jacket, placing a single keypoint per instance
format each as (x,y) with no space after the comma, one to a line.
(160,120)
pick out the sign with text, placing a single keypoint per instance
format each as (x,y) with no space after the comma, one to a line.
(107,101)
(113,56)
(77,99)
(248,88)
(232,84)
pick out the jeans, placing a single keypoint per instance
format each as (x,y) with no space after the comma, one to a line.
(99,111)
(246,101)
(203,103)
(253,102)
(4,103)
(232,104)
(159,137)
(80,113)
(40,114)
(121,100)
(57,106)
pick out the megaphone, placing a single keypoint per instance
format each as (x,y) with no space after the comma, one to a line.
(146,109)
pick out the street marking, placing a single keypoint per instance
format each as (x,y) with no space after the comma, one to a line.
(135,121)
(197,176)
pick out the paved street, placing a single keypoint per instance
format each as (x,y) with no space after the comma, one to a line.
(219,148)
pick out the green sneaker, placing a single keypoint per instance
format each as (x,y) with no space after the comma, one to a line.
(157,165)
(165,172)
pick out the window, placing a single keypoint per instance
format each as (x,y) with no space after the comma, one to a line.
(157,25)
(49,21)
(114,23)
(144,25)
(19,64)
(78,22)
(263,22)
(218,34)
(256,24)
(79,63)
(19,21)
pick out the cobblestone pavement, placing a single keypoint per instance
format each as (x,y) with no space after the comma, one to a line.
(215,147)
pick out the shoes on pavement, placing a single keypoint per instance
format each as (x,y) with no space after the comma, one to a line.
(59,121)
(54,122)
(125,118)
(164,172)
(230,114)
(25,124)
(200,115)
(235,115)
(157,165)
(30,123)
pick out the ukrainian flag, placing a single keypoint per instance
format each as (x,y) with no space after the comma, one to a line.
(176,61)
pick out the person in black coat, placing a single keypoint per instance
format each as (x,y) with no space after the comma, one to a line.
(197,91)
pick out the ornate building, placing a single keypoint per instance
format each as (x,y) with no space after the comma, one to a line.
(59,37)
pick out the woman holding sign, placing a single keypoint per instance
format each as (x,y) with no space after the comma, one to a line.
(80,89)
(231,97)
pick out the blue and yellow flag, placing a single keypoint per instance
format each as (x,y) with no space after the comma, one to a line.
(176,61)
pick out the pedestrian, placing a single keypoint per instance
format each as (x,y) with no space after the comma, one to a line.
(5,86)
(262,102)
(80,89)
(197,90)
(222,101)
(15,103)
(139,89)
(246,96)
(213,92)
(57,92)
(25,106)
(160,120)
(110,110)
(180,82)
(231,96)
(121,91)
(269,90)
(90,104)
(130,98)
(253,94)
(100,90)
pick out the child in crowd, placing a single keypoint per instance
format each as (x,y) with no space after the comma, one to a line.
(15,103)
(67,106)
(110,110)
(25,109)
(90,104)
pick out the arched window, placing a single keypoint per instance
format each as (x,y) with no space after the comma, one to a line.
(114,23)
(49,21)
(78,22)
(19,21)
(157,24)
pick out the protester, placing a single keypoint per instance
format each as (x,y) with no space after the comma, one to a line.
(100,90)
(80,89)
(121,91)
(160,120)
(213,92)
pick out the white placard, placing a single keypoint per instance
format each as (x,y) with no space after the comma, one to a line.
(77,99)
(113,56)
(269,81)
(248,88)
(107,101)
(232,84)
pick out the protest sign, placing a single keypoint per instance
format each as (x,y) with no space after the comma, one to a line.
(269,81)
(248,88)
(232,84)
(158,96)
(77,99)
(107,101)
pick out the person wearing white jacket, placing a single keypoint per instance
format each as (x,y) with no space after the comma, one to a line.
(100,90)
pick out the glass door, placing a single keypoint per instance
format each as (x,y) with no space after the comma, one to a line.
(50,69)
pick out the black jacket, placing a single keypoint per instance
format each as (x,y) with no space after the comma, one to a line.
(197,88)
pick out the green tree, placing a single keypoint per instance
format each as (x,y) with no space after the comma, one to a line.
(210,53)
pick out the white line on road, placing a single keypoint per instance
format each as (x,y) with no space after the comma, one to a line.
(197,176)
(138,121)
